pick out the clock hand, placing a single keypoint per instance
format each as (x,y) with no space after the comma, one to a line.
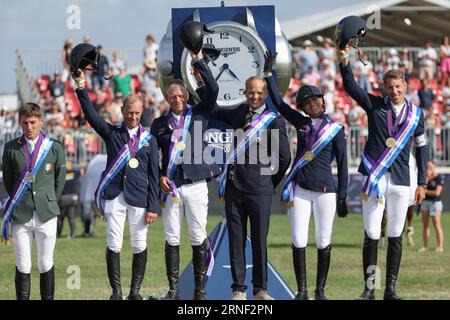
(233,74)
(222,69)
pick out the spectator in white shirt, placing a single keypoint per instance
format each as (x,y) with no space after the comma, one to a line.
(427,61)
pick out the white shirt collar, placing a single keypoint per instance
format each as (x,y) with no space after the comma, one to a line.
(133,131)
(177,116)
(34,140)
(260,110)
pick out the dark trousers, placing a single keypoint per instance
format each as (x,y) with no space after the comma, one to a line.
(239,206)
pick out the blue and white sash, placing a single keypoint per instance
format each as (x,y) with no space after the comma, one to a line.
(175,155)
(115,167)
(327,134)
(250,136)
(376,169)
(22,186)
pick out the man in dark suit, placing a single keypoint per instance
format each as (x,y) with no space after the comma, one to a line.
(250,185)
(184,173)
(128,188)
(34,175)
(393,124)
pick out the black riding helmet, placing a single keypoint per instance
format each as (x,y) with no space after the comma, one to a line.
(305,92)
(191,35)
(350,27)
(82,55)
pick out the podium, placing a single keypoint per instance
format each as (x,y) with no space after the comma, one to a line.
(218,284)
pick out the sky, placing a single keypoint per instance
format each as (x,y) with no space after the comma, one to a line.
(42,24)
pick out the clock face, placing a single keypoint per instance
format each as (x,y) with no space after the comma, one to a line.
(241,56)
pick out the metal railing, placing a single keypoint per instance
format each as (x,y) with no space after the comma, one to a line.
(81,145)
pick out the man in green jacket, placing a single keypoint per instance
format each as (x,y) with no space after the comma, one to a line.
(34,176)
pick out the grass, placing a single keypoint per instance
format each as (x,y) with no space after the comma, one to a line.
(422,275)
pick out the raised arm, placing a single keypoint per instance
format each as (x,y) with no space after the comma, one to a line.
(350,85)
(93,118)
(284,153)
(294,117)
(210,90)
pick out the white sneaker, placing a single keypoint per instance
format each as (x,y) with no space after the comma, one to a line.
(438,249)
(423,249)
(239,295)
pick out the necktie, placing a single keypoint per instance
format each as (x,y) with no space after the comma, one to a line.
(31,146)
(248,119)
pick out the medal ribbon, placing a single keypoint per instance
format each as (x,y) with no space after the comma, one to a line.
(133,142)
(30,158)
(392,127)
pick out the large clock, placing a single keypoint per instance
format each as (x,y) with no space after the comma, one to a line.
(241,56)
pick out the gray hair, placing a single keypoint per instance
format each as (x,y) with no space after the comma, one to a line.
(132,98)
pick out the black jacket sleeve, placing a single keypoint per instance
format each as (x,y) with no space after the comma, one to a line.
(93,118)
(294,117)
(340,150)
(209,92)
(421,152)
(284,152)
(153,177)
(353,89)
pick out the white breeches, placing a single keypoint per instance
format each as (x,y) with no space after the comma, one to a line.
(395,199)
(323,206)
(45,235)
(194,198)
(116,212)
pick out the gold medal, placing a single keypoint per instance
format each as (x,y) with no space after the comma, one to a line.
(364,196)
(390,142)
(133,163)
(309,155)
(30,177)
(179,146)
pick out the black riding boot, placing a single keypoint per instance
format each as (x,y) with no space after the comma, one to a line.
(370,252)
(113,266)
(199,261)
(323,264)
(138,272)
(394,256)
(172,254)
(23,285)
(47,284)
(299,259)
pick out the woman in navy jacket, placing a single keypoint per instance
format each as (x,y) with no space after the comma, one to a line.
(319,140)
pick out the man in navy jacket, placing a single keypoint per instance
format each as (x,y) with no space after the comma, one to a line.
(249,188)
(390,122)
(132,192)
(184,173)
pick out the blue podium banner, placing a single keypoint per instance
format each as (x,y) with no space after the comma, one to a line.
(218,285)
